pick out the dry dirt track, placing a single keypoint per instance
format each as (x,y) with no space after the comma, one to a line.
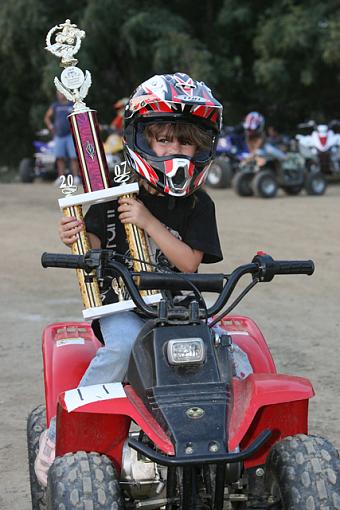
(299,316)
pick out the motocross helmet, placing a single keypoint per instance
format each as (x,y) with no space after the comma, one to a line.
(171,99)
(254,122)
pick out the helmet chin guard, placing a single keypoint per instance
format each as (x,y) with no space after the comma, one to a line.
(176,178)
(172,99)
(178,174)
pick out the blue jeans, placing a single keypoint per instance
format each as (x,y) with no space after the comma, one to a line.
(110,363)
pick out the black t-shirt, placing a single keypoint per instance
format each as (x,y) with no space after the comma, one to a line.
(190,219)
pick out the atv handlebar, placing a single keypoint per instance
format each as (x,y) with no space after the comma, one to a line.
(270,267)
(148,280)
(62,260)
(294,267)
(310,124)
(263,268)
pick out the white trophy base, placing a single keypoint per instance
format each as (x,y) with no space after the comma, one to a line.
(96,197)
(103,311)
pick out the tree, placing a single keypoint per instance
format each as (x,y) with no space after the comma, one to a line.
(280,57)
(23,28)
(296,59)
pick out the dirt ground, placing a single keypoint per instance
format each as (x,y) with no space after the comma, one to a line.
(299,315)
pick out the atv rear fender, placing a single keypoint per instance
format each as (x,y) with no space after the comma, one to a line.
(245,333)
(68,348)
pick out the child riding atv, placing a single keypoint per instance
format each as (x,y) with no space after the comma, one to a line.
(267,168)
(170,151)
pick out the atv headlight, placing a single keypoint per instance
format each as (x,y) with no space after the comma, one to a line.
(184,352)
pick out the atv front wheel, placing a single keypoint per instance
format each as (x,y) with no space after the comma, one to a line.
(303,472)
(315,184)
(83,480)
(265,184)
(220,174)
(242,184)
(26,170)
(36,424)
(293,190)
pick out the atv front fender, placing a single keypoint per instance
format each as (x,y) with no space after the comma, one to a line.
(268,401)
(102,425)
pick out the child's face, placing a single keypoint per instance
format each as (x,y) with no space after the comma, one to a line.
(164,144)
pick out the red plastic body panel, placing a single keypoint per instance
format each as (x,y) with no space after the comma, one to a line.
(248,337)
(68,348)
(261,401)
(264,399)
(104,426)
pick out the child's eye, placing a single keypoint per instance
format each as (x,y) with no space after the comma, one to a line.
(162,140)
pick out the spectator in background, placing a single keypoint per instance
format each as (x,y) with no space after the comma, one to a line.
(118,121)
(253,126)
(58,124)
(274,137)
(256,140)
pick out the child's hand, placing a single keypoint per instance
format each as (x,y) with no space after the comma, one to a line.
(69,228)
(134,211)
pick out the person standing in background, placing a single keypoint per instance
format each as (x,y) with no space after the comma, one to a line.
(56,120)
(117,123)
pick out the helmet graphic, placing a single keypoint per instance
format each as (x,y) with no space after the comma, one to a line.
(254,121)
(186,109)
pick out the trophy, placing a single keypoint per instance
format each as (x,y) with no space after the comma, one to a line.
(64,41)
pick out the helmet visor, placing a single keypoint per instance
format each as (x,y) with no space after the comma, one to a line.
(150,133)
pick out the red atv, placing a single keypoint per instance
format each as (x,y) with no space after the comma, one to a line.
(183,432)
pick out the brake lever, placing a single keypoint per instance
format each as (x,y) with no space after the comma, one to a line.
(97,259)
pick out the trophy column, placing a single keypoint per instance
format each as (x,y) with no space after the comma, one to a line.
(74,85)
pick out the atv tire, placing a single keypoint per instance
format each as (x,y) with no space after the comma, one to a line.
(220,174)
(265,184)
(303,473)
(26,170)
(36,424)
(241,184)
(83,480)
(293,190)
(315,184)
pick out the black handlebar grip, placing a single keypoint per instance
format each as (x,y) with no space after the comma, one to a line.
(268,267)
(293,267)
(66,261)
(180,281)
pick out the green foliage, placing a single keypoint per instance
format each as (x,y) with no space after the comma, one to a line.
(281,57)
(330,44)
(296,49)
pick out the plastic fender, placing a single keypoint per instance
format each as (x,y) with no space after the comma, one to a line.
(275,401)
(68,348)
(103,425)
(248,337)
